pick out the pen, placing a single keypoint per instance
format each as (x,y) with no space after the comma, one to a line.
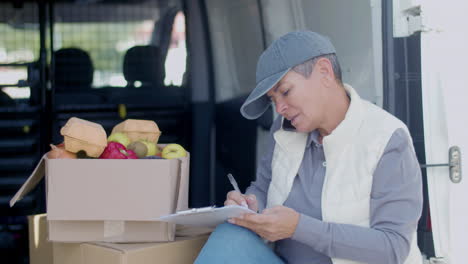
(236,187)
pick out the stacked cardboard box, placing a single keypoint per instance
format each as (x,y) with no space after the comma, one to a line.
(111,200)
(94,203)
(94,206)
(183,250)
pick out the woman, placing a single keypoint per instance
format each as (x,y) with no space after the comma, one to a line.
(340,181)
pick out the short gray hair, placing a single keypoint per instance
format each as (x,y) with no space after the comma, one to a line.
(306,68)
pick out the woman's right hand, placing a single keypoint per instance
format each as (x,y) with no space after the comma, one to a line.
(237,198)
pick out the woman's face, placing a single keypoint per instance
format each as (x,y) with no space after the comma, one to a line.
(300,100)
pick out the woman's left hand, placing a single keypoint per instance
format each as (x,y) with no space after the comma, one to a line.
(273,224)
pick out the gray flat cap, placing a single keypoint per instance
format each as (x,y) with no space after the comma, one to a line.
(284,53)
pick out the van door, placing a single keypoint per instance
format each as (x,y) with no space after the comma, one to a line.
(237,42)
(443,59)
(389,76)
(23,120)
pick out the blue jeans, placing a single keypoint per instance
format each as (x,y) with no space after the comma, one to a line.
(234,244)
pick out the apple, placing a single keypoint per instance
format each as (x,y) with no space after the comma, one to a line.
(173,151)
(144,148)
(59,152)
(158,151)
(115,150)
(152,148)
(139,148)
(119,137)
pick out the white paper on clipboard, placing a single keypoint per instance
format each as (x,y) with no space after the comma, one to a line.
(207,216)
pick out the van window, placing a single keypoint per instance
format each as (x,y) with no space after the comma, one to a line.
(106,44)
(105,38)
(176,59)
(19,45)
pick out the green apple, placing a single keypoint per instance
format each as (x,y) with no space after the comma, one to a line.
(152,148)
(173,151)
(139,148)
(119,137)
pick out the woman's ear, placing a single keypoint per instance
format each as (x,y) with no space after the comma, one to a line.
(325,70)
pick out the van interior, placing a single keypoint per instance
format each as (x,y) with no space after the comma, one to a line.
(187,65)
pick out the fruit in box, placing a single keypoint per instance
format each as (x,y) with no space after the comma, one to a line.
(59,152)
(80,134)
(144,148)
(158,151)
(173,151)
(139,148)
(120,138)
(82,155)
(115,150)
(153,149)
(139,130)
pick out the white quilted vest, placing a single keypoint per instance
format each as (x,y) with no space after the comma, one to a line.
(352,152)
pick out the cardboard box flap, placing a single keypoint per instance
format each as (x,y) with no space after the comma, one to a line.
(31,182)
(183,188)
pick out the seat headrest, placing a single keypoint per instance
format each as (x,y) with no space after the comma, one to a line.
(73,69)
(143,63)
(6,100)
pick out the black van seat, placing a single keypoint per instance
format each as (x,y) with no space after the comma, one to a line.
(73,74)
(144,65)
(6,100)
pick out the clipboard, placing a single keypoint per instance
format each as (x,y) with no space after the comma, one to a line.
(206,216)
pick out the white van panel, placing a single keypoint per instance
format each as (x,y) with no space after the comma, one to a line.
(444,55)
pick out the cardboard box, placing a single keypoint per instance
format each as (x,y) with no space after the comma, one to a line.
(111,200)
(110,231)
(185,249)
(40,250)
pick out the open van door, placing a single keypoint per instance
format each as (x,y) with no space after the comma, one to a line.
(444,94)
(355,28)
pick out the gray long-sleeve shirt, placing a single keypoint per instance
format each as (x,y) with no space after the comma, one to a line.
(395,207)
